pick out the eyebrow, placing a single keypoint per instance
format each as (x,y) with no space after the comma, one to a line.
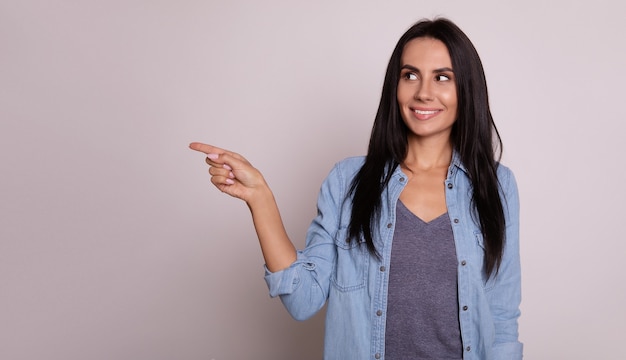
(413,68)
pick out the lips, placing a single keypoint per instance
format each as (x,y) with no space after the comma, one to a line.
(425,114)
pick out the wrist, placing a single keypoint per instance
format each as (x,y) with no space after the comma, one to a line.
(261,198)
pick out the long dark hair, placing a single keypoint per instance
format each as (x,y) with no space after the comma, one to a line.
(472,136)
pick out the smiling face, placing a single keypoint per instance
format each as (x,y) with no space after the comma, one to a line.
(427,90)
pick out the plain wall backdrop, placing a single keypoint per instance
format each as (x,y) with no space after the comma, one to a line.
(114,244)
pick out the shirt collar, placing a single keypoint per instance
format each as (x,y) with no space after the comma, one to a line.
(456,163)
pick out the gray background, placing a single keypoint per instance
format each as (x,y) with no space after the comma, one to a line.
(114,245)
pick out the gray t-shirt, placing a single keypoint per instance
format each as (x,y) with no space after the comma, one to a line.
(422,309)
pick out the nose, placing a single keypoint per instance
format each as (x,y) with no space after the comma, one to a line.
(423,92)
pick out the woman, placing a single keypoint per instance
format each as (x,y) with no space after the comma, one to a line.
(431,185)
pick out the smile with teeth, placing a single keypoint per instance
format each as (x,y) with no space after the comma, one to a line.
(425,112)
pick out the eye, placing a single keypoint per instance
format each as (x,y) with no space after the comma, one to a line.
(442,77)
(409,76)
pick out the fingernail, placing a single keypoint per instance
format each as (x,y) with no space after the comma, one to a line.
(225,166)
(230,181)
(212,156)
(231,175)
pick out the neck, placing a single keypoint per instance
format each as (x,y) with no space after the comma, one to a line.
(426,155)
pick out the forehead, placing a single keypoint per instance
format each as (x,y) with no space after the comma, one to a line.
(424,52)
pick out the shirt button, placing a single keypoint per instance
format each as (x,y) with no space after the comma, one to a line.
(463,263)
(382,268)
(456,221)
(465,308)
(379,312)
(401,179)
(468,348)
(377,356)
(389,225)
(450,186)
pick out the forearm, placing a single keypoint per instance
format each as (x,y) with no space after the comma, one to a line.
(278,251)
(232,174)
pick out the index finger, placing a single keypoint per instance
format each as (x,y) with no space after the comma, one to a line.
(206,148)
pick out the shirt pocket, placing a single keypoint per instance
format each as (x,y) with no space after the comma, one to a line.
(351,265)
(488,282)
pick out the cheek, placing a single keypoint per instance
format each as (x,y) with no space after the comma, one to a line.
(402,99)
(403,93)
(399,98)
(450,99)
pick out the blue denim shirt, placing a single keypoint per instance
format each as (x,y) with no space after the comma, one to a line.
(354,282)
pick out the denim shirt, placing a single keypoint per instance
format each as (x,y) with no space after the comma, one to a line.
(354,282)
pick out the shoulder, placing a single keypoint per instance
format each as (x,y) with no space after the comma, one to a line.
(348,167)
(504,170)
(342,173)
(506,178)
(351,163)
